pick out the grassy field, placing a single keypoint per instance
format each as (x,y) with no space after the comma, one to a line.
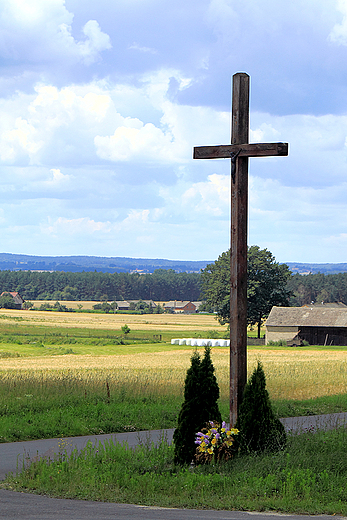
(80,367)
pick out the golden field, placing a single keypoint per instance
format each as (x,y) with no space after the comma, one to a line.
(292,373)
(164,322)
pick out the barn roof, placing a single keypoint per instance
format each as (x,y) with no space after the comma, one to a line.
(177,304)
(15,295)
(307,317)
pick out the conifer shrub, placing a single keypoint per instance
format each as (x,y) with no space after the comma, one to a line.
(260,429)
(201,393)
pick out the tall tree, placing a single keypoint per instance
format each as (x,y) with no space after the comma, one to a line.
(266,285)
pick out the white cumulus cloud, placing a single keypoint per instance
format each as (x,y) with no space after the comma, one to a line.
(339,32)
(41,30)
(139,142)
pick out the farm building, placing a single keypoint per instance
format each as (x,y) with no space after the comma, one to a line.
(318,325)
(18,300)
(127,305)
(122,305)
(177,306)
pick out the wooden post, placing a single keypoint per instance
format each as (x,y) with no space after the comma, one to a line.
(238,245)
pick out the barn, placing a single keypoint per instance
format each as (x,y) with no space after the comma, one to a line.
(177,306)
(318,325)
(18,300)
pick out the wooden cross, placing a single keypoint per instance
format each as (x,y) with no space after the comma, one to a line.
(238,151)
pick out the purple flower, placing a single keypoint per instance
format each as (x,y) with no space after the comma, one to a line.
(217,435)
(224,425)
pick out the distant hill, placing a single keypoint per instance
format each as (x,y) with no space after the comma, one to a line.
(117,264)
(303,268)
(13,262)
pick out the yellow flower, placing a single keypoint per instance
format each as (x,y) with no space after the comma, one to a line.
(214,441)
(223,430)
(229,442)
(228,433)
(234,431)
(203,444)
(202,449)
(210,451)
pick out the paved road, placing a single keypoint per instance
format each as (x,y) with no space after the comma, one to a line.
(14,505)
(35,507)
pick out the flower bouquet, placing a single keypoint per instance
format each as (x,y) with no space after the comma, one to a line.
(215,442)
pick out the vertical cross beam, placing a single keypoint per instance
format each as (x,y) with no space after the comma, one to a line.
(238,246)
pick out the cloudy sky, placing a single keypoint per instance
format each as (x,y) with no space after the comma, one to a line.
(102,102)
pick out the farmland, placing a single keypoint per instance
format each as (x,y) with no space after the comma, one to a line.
(75,373)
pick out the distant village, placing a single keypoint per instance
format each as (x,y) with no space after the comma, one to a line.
(313,324)
(173,306)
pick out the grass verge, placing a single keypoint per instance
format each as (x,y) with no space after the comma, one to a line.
(308,477)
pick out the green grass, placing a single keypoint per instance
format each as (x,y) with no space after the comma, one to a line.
(35,341)
(308,477)
(64,406)
(45,403)
(318,406)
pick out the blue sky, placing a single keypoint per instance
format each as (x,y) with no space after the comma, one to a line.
(102,102)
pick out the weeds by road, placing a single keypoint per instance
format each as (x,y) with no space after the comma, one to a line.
(308,477)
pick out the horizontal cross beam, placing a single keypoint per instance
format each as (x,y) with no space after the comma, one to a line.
(247,150)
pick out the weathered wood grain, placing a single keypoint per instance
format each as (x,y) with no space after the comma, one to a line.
(238,245)
(247,150)
(238,151)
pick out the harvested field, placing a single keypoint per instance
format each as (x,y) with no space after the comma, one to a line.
(165,322)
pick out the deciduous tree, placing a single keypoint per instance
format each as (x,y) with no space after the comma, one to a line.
(266,285)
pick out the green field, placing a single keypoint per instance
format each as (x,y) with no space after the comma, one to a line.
(64,374)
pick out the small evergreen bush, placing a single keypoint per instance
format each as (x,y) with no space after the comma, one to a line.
(209,392)
(201,393)
(260,430)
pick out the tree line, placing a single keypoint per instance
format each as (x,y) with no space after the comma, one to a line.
(164,285)
(317,288)
(161,285)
